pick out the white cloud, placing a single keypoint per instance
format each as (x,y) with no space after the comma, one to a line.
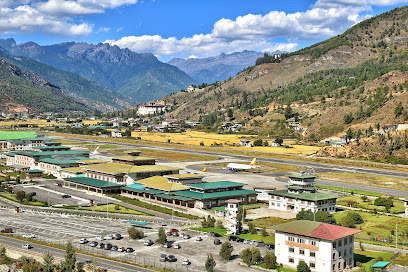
(52,17)
(324,19)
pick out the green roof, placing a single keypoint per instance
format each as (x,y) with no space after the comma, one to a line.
(301,176)
(51,143)
(94,182)
(303,196)
(215,185)
(134,158)
(135,185)
(58,162)
(33,171)
(220,208)
(380,264)
(197,195)
(174,196)
(31,153)
(11,135)
(52,147)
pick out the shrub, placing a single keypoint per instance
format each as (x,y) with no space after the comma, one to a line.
(226,250)
(135,233)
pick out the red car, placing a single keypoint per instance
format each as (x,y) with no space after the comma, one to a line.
(173,232)
(7,231)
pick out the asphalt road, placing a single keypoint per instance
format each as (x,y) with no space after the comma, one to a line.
(108,264)
(318,167)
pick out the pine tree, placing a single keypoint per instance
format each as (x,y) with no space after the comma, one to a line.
(210,263)
(162,236)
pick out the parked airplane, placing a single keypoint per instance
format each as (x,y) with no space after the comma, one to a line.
(242,167)
(96,151)
(204,170)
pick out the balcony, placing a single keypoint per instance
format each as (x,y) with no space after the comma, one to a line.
(302,245)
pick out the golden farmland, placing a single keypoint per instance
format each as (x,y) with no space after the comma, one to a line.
(227,140)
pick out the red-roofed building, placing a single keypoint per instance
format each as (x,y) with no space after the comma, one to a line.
(324,247)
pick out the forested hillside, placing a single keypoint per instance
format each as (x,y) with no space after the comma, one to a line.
(350,80)
(24,91)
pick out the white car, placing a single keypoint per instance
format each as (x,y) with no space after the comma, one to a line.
(177,246)
(199,238)
(186,262)
(186,236)
(109,237)
(100,238)
(121,249)
(30,235)
(27,246)
(83,241)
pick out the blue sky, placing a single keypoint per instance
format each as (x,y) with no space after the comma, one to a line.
(186,28)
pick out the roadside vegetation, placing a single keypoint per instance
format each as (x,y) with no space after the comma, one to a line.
(112,208)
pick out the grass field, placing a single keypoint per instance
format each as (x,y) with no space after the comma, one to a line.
(367,179)
(376,228)
(176,156)
(369,204)
(347,190)
(12,197)
(368,258)
(111,209)
(220,231)
(269,221)
(196,137)
(29,123)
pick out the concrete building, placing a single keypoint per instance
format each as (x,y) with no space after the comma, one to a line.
(232,216)
(150,108)
(301,195)
(323,247)
(116,133)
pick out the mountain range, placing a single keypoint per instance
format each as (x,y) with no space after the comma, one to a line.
(354,80)
(221,67)
(140,76)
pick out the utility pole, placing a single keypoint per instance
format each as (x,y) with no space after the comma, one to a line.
(107,207)
(396,235)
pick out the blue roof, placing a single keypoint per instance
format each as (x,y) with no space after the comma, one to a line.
(138,222)
(380,264)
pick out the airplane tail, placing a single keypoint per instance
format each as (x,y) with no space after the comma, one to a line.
(96,150)
(253,162)
(204,170)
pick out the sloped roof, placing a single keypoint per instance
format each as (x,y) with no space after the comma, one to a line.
(117,168)
(215,185)
(94,182)
(58,162)
(315,229)
(197,195)
(303,196)
(161,183)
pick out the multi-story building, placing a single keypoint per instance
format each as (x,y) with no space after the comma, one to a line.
(151,108)
(232,216)
(301,194)
(323,247)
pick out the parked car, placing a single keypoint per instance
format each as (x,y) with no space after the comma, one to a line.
(246,241)
(163,257)
(167,245)
(171,258)
(239,240)
(217,242)
(100,238)
(83,241)
(29,235)
(117,236)
(270,246)
(27,246)
(8,230)
(199,238)
(121,249)
(163,224)
(100,245)
(260,244)
(177,246)
(65,196)
(182,234)
(129,250)
(114,248)
(33,193)
(93,244)
(108,246)
(173,232)
(186,236)
(232,238)
(186,262)
(148,242)
(109,237)
(211,233)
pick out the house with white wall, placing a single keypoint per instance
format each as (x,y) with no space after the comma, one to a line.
(323,247)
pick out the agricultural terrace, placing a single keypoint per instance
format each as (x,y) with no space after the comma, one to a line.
(227,140)
(29,123)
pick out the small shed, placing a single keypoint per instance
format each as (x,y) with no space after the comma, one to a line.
(34,173)
(245,143)
(379,266)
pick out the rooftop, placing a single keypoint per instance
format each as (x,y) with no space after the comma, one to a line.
(303,196)
(134,158)
(161,183)
(94,182)
(215,185)
(58,162)
(381,264)
(315,229)
(184,176)
(197,195)
(12,135)
(31,153)
(301,176)
(117,168)
(74,169)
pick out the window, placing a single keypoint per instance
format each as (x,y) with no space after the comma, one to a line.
(334,256)
(340,244)
(351,250)
(313,243)
(334,267)
(345,253)
(334,244)
(291,249)
(291,260)
(350,239)
(312,265)
(339,265)
(301,241)
(301,251)
(272,204)
(292,239)
(312,254)
(345,241)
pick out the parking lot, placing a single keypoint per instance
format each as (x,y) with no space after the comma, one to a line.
(62,228)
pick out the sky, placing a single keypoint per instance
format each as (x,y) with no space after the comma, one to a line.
(186,28)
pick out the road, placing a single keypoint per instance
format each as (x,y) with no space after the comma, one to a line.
(59,253)
(318,167)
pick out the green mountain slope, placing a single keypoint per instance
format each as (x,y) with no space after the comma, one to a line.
(79,87)
(22,91)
